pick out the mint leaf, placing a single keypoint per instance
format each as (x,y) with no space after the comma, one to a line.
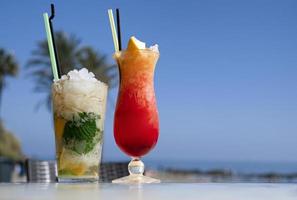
(81,133)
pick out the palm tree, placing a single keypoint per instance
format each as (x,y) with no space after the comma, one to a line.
(8,67)
(71,55)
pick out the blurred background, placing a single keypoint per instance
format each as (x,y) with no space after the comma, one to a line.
(225,83)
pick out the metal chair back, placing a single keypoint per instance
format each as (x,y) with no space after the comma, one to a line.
(41,171)
(113,170)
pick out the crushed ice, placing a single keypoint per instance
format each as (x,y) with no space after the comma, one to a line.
(82,74)
(154,48)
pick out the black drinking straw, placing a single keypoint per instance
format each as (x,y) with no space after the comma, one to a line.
(53,38)
(119,29)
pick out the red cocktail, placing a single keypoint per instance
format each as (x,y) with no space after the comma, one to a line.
(136,121)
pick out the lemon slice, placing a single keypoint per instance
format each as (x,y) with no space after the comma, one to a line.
(135,44)
(71,163)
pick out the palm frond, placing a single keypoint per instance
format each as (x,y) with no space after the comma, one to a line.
(97,63)
(8,67)
(71,55)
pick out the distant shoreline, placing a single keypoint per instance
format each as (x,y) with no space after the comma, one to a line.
(241,167)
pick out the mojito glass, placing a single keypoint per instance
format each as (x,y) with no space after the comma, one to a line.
(79,103)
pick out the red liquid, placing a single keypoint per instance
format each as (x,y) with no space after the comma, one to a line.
(136,122)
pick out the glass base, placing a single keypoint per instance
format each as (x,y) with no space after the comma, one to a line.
(136,170)
(77,180)
(135,179)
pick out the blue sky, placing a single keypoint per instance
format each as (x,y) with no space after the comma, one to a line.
(226,80)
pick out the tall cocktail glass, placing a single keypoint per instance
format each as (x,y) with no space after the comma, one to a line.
(79,102)
(136,121)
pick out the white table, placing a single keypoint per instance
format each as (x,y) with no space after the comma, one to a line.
(164,191)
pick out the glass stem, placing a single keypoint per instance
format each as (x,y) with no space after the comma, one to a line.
(136,167)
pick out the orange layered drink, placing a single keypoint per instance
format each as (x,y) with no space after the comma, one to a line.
(79,102)
(136,120)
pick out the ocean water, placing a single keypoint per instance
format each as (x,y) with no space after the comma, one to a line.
(243,167)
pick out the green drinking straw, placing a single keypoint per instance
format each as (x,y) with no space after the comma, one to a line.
(50,46)
(113,30)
